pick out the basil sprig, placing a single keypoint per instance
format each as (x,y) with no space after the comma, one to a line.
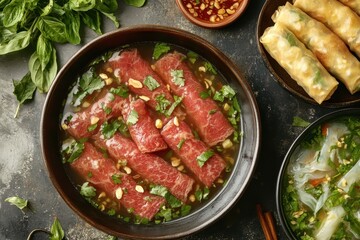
(40,25)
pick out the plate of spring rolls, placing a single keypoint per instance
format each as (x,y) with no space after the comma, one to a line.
(312,48)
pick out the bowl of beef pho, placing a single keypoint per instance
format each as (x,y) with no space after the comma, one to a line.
(150,132)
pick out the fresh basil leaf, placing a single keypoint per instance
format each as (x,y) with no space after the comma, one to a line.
(17,201)
(23,90)
(203,157)
(151,83)
(44,50)
(177,77)
(113,18)
(48,8)
(52,28)
(57,233)
(132,118)
(109,6)
(88,83)
(160,49)
(43,78)
(92,19)
(299,122)
(14,12)
(72,23)
(82,5)
(17,42)
(135,3)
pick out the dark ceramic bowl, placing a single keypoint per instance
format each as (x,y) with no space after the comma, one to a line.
(238,11)
(341,96)
(197,220)
(280,191)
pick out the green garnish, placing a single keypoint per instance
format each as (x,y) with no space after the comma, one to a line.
(56,231)
(72,151)
(210,68)
(299,122)
(121,91)
(180,144)
(173,106)
(225,92)
(132,118)
(160,49)
(205,94)
(88,83)
(161,103)
(192,56)
(87,191)
(116,178)
(17,201)
(151,83)
(109,129)
(24,90)
(203,157)
(92,127)
(177,77)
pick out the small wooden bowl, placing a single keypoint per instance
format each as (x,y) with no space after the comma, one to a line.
(217,22)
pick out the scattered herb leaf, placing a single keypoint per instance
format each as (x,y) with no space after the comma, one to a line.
(159,49)
(210,68)
(23,90)
(151,83)
(192,56)
(177,77)
(132,118)
(87,191)
(56,231)
(180,144)
(203,157)
(17,201)
(299,122)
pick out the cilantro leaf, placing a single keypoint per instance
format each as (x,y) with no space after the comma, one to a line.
(132,118)
(192,56)
(225,92)
(121,91)
(203,157)
(151,83)
(161,103)
(57,233)
(88,83)
(116,178)
(17,201)
(87,191)
(173,106)
(158,190)
(72,151)
(159,49)
(24,90)
(109,129)
(177,77)
(210,68)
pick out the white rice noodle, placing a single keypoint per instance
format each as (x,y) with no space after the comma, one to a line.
(314,204)
(351,177)
(330,223)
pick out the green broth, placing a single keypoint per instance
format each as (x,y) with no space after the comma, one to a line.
(213,81)
(321,189)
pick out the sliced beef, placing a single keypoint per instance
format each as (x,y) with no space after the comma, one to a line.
(85,123)
(211,123)
(130,66)
(142,127)
(148,166)
(94,168)
(182,141)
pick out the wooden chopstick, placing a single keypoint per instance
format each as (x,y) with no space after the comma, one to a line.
(267,223)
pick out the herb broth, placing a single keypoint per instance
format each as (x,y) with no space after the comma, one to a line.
(212,81)
(321,196)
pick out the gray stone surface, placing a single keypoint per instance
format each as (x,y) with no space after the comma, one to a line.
(23,173)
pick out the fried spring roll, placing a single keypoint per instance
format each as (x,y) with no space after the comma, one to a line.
(325,45)
(336,16)
(353,4)
(299,62)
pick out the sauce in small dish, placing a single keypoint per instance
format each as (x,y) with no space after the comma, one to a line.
(212,13)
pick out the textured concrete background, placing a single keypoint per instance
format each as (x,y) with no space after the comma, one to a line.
(23,173)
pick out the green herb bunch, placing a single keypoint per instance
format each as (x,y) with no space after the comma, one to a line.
(39,24)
